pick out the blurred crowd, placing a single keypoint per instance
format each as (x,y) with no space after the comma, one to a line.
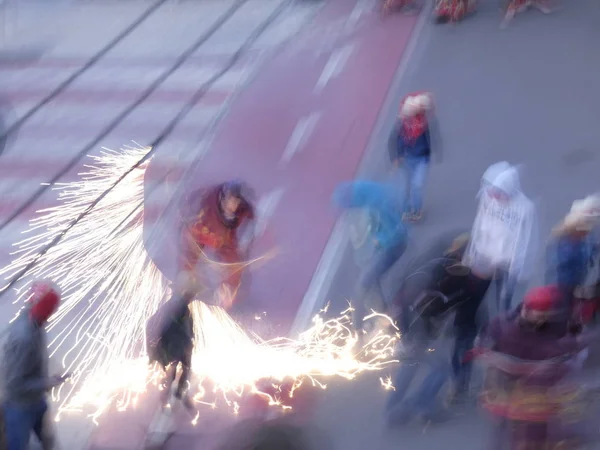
(453,11)
(531,344)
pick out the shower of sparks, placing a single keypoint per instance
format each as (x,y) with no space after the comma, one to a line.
(111,287)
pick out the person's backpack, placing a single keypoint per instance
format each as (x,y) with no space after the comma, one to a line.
(434,283)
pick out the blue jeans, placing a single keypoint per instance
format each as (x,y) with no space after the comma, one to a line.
(21,420)
(370,281)
(401,407)
(416,169)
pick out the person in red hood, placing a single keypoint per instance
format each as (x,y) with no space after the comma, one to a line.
(536,331)
(25,381)
(215,221)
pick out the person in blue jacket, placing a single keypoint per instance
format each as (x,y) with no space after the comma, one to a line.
(571,250)
(387,233)
(414,139)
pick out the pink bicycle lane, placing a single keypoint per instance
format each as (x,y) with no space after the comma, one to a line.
(298,129)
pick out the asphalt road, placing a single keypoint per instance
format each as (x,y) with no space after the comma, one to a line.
(529,95)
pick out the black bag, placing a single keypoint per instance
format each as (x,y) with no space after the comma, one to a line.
(435,284)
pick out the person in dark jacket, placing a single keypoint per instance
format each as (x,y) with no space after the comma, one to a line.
(25,380)
(170,337)
(432,297)
(413,141)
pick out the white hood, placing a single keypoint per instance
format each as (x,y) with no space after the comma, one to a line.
(508,181)
(503,231)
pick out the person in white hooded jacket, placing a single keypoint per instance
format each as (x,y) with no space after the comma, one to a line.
(504,233)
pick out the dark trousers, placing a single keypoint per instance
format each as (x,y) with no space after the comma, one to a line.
(466,329)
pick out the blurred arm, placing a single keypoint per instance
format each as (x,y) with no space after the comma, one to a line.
(435,138)
(395,149)
(20,359)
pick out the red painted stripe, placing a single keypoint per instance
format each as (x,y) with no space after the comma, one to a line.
(211,98)
(75,63)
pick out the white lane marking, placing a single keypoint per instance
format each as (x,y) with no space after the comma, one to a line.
(300,135)
(334,66)
(314,299)
(359,9)
(266,208)
(323,279)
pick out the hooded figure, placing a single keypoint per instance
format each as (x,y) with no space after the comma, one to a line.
(213,222)
(25,380)
(414,139)
(387,233)
(170,336)
(504,233)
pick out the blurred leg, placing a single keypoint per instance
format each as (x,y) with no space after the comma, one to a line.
(427,396)
(42,427)
(18,426)
(417,188)
(370,282)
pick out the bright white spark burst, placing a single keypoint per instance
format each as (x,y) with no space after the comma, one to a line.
(111,287)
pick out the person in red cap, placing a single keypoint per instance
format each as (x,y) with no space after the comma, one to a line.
(536,331)
(25,381)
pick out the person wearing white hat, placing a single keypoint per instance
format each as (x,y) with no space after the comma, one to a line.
(572,247)
(412,142)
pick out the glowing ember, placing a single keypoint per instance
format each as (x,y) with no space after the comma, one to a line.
(111,287)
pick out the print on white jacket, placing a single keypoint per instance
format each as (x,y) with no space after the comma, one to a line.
(504,233)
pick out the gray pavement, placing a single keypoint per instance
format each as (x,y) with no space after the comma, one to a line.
(527,95)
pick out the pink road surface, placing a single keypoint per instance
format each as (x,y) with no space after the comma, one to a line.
(250,144)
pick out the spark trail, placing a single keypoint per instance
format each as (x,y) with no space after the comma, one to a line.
(111,287)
